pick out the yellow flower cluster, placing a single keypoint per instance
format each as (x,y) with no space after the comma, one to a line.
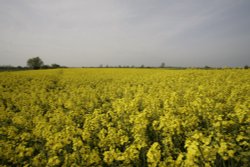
(125,117)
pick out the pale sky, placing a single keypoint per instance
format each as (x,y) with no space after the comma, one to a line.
(125,32)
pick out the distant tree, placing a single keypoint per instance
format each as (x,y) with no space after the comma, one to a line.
(142,66)
(6,67)
(207,67)
(246,67)
(55,66)
(45,67)
(162,65)
(35,63)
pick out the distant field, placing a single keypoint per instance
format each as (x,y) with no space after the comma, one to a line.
(125,117)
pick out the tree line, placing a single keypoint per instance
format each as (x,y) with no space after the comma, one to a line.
(32,63)
(37,63)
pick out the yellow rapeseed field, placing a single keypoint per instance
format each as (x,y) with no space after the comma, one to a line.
(125,117)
